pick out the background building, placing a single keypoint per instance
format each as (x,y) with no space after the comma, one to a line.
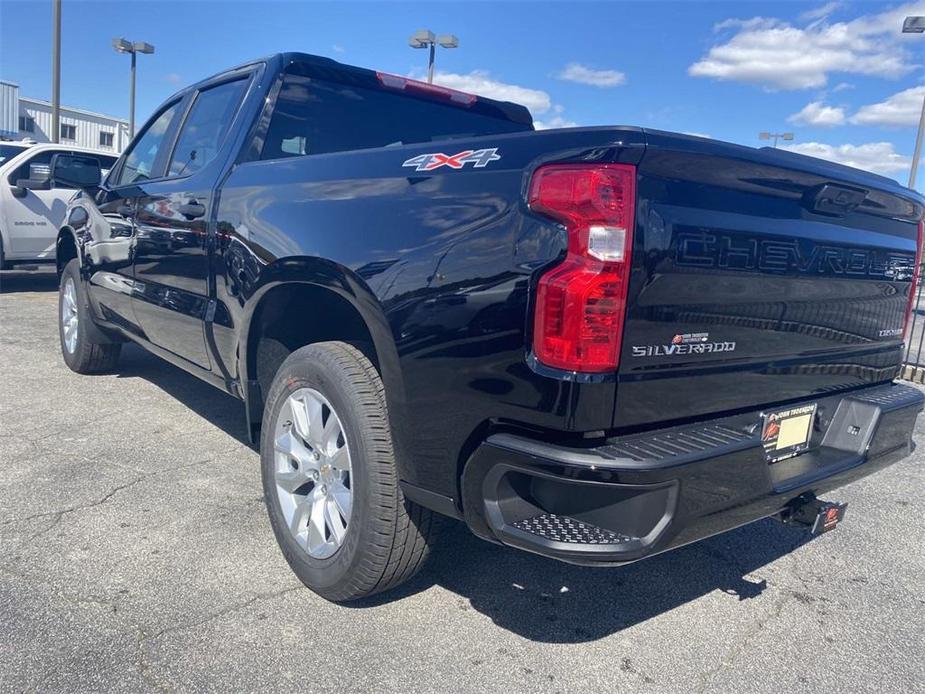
(23,117)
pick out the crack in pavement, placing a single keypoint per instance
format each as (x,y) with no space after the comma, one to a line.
(707,676)
(145,668)
(144,639)
(224,611)
(73,509)
(59,513)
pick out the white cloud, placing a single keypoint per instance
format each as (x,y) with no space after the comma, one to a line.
(842,86)
(554,122)
(878,157)
(817,113)
(819,12)
(778,55)
(482,83)
(537,101)
(576,72)
(337,48)
(172,78)
(902,108)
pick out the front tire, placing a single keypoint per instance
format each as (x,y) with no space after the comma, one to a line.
(330,480)
(3,264)
(75,327)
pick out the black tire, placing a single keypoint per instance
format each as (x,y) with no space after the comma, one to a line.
(92,353)
(3,264)
(387,537)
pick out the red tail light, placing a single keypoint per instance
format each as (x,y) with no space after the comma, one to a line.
(913,290)
(581,303)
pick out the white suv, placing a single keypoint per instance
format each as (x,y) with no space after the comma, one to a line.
(30,217)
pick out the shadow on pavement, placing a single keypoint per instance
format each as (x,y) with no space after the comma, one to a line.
(553,602)
(43,279)
(537,598)
(220,409)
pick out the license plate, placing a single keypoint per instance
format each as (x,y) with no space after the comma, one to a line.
(786,433)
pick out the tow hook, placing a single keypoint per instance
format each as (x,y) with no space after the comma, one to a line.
(815,515)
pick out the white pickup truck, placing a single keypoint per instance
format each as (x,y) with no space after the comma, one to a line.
(32,205)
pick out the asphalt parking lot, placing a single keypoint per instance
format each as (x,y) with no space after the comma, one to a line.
(135,555)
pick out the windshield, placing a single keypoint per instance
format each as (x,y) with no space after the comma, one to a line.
(7,152)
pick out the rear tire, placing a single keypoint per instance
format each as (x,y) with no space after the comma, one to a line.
(75,327)
(367,538)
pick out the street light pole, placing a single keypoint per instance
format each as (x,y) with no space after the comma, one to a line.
(425,39)
(916,25)
(131,101)
(916,155)
(56,71)
(131,47)
(774,137)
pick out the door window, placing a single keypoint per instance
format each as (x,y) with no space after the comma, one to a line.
(43,158)
(141,160)
(205,128)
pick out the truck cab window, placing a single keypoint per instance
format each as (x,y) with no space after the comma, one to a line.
(140,162)
(205,128)
(314,116)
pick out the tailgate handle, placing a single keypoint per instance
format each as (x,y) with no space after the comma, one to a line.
(832,199)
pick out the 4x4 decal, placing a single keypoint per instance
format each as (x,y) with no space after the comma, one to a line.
(479,158)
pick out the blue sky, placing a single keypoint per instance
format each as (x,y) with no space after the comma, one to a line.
(838,74)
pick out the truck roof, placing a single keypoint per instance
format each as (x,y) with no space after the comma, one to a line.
(328,68)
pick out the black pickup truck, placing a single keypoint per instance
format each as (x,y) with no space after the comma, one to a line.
(595,344)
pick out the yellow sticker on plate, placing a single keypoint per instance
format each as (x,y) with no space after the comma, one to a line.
(794,431)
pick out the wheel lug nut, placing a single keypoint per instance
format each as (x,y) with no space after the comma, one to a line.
(324,489)
(316,455)
(315,475)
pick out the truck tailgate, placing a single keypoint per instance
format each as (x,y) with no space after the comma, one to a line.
(759,276)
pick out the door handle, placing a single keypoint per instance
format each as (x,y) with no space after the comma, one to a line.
(192,210)
(127,211)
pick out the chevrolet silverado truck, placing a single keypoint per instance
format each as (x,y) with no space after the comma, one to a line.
(595,344)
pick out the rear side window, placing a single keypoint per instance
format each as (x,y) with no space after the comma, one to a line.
(313,116)
(140,162)
(205,128)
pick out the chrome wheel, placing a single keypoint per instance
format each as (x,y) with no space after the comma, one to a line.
(69,315)
(312,472)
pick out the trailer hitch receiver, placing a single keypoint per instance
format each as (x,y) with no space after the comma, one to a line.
(813,514)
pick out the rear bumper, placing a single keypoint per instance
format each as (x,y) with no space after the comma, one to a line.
(643,494)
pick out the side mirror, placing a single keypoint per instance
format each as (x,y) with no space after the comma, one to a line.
(39,179)
(76,171)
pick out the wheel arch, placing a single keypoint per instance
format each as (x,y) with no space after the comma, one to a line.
(352,312)
(66,248)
